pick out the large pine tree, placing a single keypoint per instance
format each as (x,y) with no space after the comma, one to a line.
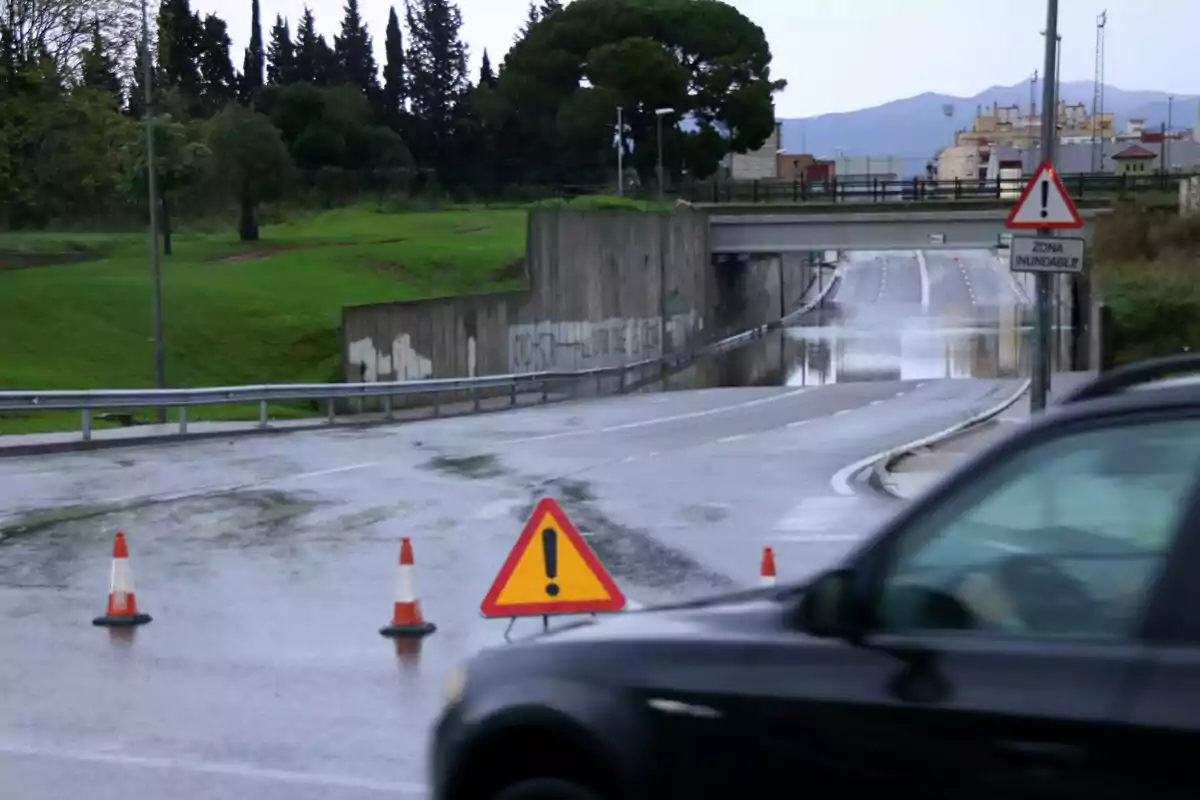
(395,77)
(487,77)
(98,67)
(353,48)
(253,62)
(180,41)
(311,56)
(438,78)
(281,54)
(219,82)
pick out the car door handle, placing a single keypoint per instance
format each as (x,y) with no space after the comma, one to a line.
(1045,751)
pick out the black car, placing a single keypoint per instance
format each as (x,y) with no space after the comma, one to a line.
(1029,627)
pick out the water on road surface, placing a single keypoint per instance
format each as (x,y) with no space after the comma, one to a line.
(268,563)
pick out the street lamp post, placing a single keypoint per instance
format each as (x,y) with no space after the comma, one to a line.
(660,113)
(152,183)
(620,151)
(1040,380)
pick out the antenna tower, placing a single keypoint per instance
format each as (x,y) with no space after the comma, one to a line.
(1098,94)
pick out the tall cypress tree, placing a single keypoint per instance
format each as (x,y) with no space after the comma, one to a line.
(309,48)
(438,78)
(550,7)
(136,104)
(180,40)
(99,68)
(353,48)
(219,83)
(281,55)
(395,78)
(487,78)
(532,17)
(253,62)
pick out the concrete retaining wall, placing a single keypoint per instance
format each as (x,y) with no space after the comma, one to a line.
(605,288)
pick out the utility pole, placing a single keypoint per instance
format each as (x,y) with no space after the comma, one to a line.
(1098,95)
(152,182)
(660,113)
(620,151)
(1167,132)
(1040,380)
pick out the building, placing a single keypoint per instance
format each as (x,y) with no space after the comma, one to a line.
(760,164)
(1134,160)
(805,167)
(1006,126)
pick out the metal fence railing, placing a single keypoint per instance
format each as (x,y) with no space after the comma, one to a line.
(617,379)
(1092,186)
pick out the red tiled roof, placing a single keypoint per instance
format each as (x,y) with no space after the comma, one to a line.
(1135,151)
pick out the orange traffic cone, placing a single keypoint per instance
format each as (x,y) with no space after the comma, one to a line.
(406,614)
(767,568)
(122,603)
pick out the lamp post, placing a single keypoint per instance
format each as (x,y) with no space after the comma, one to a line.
(152,183)
(660,113)
(1040,380)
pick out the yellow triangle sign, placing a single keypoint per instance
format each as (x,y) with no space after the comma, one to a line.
(551,570)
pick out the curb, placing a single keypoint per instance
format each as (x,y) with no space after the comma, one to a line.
(881,462)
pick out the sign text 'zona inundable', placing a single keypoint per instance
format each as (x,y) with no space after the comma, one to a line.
(1031,254)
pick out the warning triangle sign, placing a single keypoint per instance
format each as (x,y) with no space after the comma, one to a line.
(551,570)
(1044,203)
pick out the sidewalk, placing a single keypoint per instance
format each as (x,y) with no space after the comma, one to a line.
(910,474)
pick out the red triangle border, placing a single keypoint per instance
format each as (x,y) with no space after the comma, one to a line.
(1044,167)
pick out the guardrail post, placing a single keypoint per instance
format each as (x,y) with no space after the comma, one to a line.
(795,190)
(475,401)
(331,410)
(387,408)
(86,424)
(262,413)
(182,420)
(437,409)
(1082,184)
(359,404)
(957,189)
(545,392)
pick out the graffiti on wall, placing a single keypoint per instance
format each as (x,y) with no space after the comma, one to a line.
(584,345)
(401,363)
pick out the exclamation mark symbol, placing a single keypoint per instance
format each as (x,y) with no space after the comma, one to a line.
(1045,198)
(550,553)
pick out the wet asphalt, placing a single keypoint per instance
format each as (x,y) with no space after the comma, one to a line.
(268,564)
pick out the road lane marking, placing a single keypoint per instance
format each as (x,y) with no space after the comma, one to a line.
(815,538)
(818,514)
(900,394)
(658,420)
(735,438)
(405,788)
(876,402)
(798,423)
(843,411)
(319,473)
(924,270)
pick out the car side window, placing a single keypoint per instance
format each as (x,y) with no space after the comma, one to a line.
(1065,538)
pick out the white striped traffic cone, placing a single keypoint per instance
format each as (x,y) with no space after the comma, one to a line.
(406,614)
(122,602)
(767,568)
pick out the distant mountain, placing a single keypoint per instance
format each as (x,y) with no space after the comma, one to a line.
(916,127)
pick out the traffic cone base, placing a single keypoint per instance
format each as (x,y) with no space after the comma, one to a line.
(413,631)
(122,620)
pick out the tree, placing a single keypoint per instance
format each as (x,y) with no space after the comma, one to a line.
(281,55)
(61,29)
(438,79)
(98,67)
(180,159)
(136,102)
(395,81)
(353,48)
(310,49)
(550,7)
(252,161)
(532,17)
(218,81)
(253,61)
(180,43)
(703,59)
(486,76)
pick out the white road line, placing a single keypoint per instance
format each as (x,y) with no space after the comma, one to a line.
(924,268)
(658,420)
(876,402)
(798,423)
(843,411)
(319,473)
(920,385)
(814,538)
(404,788)
(735,438)
(900,394)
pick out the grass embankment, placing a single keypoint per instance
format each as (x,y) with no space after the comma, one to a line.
(267,312)
(1148,271)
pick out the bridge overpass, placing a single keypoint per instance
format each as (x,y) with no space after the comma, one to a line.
(915,228)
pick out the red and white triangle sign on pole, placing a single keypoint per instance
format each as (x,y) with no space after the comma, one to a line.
(1044,203)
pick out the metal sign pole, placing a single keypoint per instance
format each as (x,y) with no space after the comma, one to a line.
(1040,380)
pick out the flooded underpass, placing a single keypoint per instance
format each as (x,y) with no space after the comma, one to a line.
(907,316)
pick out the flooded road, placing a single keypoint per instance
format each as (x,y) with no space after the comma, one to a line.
(268,563)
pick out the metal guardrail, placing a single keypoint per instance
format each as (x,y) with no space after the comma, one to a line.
(1083,186)
(629,377)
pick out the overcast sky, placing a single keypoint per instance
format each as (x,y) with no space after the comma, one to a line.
(857,53)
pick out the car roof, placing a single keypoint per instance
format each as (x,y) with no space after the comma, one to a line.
(1170,382)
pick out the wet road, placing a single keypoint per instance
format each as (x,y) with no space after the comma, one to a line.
(268,563)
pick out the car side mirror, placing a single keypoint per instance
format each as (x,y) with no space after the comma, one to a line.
(827,607)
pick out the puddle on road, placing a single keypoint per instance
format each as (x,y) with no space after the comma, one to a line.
(475,467)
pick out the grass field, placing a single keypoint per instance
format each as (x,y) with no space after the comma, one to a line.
(267,312)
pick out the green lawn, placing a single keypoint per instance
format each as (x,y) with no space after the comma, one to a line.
(268,312)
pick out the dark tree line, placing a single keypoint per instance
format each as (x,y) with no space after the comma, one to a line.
(295,100)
